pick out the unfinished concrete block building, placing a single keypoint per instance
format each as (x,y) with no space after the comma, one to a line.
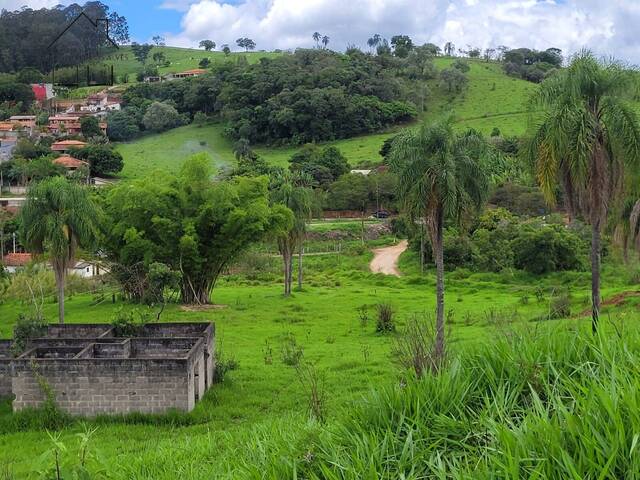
(90,370)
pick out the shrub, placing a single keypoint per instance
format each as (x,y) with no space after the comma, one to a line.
(385,322)
(291,351)
(414,349)
(542,249)
(29,325)
(313,382)
(560,305)
(161,116)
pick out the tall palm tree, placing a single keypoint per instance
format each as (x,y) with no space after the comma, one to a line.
(316,36)
(325,41)
(58,217)
(587,140)
(292,191)
(439,179)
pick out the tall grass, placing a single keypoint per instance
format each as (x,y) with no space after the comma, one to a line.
(562,405)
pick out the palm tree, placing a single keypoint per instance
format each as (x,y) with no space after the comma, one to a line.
(316,36)
(587,140)
(374,41)
(58,217)
(439,179)
(325,41)
(293,191)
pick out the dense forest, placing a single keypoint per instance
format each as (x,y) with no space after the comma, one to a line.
(310,95)
(25,36)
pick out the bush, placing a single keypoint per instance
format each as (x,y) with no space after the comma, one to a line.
(161,116)
(543,249)
(291,352)
(385,322)
(29,325)
(560,306)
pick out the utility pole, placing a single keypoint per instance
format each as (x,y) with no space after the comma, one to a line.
(14,242)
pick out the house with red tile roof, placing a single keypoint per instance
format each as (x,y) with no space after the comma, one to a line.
(70,163)
(15,261)
(67,145)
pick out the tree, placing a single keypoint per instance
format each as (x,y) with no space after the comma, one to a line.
(121,126)
(292,191)
(246,43)
(102,159)
(208,45)
(226,50)
(161,116)
(374,41)
(159,58)
(489,53)
(316,36)
(141,51)
(58,217)
(190,223)
(325,41)
(90,127)
(587,139)
(158,40)
(439,179)
(453,78)
(402,45)
(449,49)
(204,63)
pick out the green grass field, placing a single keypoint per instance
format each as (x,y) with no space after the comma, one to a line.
(180,59)
(492,99)
(252,320)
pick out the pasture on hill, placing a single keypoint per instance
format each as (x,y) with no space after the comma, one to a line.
(492,99)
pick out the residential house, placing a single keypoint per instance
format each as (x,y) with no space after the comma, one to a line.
(69,125)
(70,163)
(67,145)
(196,72)
(27,121)
(101,103)
(14,262)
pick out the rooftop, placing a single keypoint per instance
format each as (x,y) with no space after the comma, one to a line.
(68,161)
(17,259)
(65,144)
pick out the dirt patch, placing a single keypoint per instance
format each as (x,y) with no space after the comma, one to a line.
(385,260)
(618,300)
(202,308)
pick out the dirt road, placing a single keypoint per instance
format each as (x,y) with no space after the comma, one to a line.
(385,260)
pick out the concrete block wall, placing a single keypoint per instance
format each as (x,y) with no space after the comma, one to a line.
(116,386)
(5,368)
(79,330)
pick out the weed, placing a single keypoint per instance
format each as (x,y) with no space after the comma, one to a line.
(385,322)
(291,352)
(267,353)
(363,315)
(313,382)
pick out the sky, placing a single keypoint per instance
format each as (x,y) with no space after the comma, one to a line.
(607,27)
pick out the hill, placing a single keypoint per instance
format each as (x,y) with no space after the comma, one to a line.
(491,99)
(180,59)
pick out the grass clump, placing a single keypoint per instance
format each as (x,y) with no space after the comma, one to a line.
(560,405)
(385,322)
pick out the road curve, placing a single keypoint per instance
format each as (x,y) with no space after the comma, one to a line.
(385,260)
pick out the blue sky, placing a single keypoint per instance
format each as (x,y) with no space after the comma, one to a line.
(606,26)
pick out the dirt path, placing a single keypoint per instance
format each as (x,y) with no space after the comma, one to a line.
(385,260)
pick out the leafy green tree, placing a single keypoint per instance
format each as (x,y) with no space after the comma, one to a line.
(323,165)
(588,138)
(204,63)
(190,223)
(374,41)
(161,116)
(90,127)
(402,45)
(102,159)
(453,78)
(158,40)
(159,58)
(208,45)
(57,218)
(30,75)
(449,49)
(293,192)
(141,51)
(121,126)
(349,192)
(439,179)
(226,50)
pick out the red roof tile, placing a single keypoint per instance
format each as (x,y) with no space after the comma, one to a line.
(17,259)
(69,162)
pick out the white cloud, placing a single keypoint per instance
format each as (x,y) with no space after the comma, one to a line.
(34,4)
(607,27)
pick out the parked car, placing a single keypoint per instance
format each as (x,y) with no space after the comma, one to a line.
(381,214)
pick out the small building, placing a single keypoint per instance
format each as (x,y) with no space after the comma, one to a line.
(14,262)
(86,269)
(67,145)
(101,103)
(27,121)
(70,163)
(42,91)
(93,369)
(69,125)
(196,72)
(152,79)
(9,131)
(361,172)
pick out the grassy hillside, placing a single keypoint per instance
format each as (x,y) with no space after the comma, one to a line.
(491,99)
(181,59)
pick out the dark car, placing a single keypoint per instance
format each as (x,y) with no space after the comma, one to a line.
(381,214)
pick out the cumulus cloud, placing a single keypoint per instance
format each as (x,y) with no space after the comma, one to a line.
(34,4)
(607,27)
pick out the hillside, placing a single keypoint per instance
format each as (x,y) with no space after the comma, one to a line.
(491,99)
(180,58)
